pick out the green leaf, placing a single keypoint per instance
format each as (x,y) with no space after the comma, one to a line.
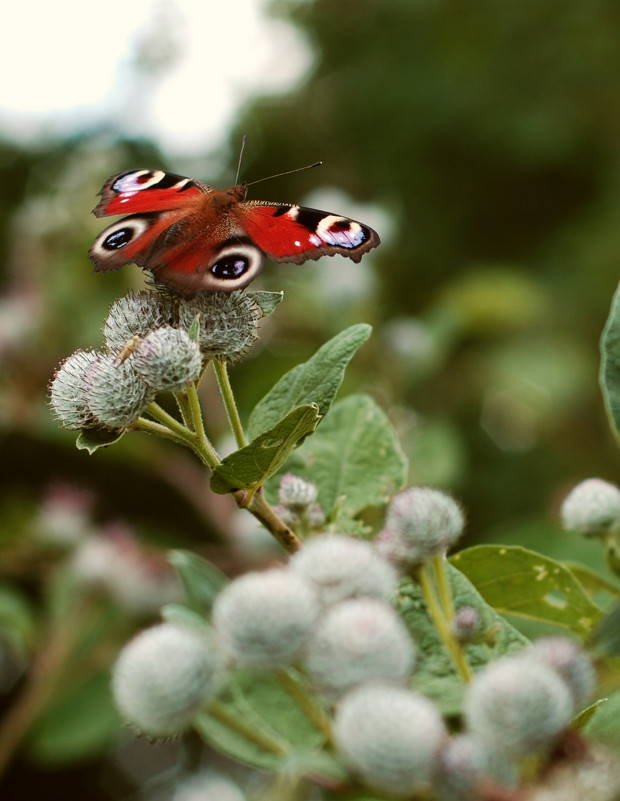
(194,329)
(183,616)
(267,301)
(604,727)
(586,715)
(610,363)
(524,583)
(606,638)
(354,458)
(260,702)
(435,675)
(18,622)
(201,580)
(80,725)
(315,381)
(91,439)
(249,467)
(591,581)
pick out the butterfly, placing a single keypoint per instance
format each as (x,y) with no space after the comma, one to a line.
(195,238)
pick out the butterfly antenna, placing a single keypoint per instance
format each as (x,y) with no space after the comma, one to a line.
(287,172)
(243,141)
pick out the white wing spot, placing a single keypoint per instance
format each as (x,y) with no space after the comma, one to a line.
(331,231)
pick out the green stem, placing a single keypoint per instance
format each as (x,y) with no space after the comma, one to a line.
(151,427)
(221,373)
(296,689)
(436,613)
(211,455)
(185,408)
(221,713)
(443,585)
(263,512)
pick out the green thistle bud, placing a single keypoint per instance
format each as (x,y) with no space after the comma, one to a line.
(68,391)
(116,394)
(264,619)
(570,662)
(390,737)
(228,323)
(341,567)
(518,705)
(357,641)
(164,676)
(592,508)
(296,493)
(207,786)
(138,313)
(420,523)
(469,765)
(167,359)
(466,623)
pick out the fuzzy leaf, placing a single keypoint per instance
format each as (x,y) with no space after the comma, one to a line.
(314,381)
(201,580)
(435,675)
(266,301)
(260,702)
(354,458)
(610,363)
(524,583)
(249,467)
(91,439)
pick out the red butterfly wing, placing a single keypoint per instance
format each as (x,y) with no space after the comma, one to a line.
(138,191)
(289,233)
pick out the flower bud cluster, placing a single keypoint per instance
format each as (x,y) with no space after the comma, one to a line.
(297,505)
(420,523)
(149,350)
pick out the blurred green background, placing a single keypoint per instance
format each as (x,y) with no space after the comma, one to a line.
(481,139)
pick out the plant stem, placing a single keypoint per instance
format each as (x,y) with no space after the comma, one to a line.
(211,456)
(263,512)
(443,585)
(223,380)
(220,712)
(436,613)
(296,689)
(185,408)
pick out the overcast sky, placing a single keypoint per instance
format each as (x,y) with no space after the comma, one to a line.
(67,64)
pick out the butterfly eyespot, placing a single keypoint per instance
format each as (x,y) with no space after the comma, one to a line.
(237,265)
(118,239)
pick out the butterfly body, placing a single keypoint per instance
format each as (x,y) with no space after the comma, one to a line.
(195,238)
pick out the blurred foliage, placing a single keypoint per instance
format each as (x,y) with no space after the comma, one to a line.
(483,141)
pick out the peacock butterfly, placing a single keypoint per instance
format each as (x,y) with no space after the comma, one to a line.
(194,238)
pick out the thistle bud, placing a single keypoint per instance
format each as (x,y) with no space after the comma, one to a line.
(264,619)
(228,323)
(592,508)
(340,567)
(570,662)
(465,624)
(116,394)
(357,641)
(519,705)
(207,786)
(468,765)
(296,493)
(167,359)
(68,391)
(390,737)
(164,676)
(420,524)
(138,313)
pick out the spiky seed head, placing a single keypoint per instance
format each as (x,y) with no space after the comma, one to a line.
(116,393)
(390,737)
(518,705)
(164,676)
(592,508)
(341,567)
(420,523)
(138,313)
(263,619)
(68,391)
(228,323)
(356,641)
(167,359)
(570,661)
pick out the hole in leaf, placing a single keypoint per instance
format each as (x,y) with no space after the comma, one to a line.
(556,598)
